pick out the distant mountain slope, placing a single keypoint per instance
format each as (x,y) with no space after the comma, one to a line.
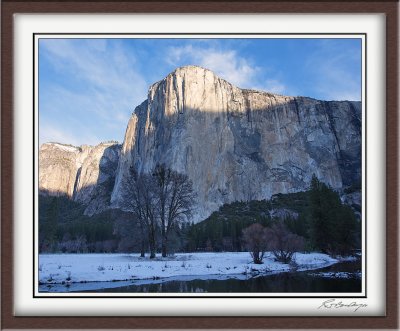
(85,174)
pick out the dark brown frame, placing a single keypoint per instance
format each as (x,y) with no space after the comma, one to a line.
(389,8)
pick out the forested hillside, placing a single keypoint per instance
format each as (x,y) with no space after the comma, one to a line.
(317,215)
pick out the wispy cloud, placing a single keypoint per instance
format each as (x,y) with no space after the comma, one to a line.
(332,70)
(98,82)
(226,63)
(51,132)
(274,86)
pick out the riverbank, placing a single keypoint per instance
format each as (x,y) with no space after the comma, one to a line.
(86,268)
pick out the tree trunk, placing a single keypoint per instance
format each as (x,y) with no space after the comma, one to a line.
(164,246)
(152,252)
(142,249)
(142,242)
(152,243)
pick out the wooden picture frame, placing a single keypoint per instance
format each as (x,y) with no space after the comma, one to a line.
(10,321)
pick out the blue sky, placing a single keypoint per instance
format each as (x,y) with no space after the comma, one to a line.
(88,88)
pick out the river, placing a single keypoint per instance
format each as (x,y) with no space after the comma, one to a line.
(342,277)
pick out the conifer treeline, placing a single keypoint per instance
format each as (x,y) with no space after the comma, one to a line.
(317,215)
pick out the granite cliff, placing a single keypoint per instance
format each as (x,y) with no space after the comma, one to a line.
(85,174)
(238,144)
(234,144)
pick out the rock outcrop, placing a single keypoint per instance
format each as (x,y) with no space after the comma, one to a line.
(237,144)
(234,144)
(85,174)
(58,168)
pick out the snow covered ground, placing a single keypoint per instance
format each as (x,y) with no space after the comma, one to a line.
(83,268)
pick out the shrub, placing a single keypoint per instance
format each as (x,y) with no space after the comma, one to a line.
(255,240)
(283,243)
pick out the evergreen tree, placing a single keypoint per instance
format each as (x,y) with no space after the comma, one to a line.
(332,225)
(51,225)
(347,234)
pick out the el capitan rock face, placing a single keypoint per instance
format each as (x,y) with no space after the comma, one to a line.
(237,144)
(234,144)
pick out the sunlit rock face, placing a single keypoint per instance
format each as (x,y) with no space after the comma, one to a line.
(85,174)
(58,168)
(237,144)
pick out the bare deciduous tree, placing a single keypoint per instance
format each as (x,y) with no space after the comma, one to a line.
(277,239)
(162,198)
(175,197)
(131,235)
(283,243)
(139,199)
(255,240)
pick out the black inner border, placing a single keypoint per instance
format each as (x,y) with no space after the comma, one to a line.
(364,254)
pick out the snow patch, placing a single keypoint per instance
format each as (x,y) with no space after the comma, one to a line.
(66,148)
(79,268)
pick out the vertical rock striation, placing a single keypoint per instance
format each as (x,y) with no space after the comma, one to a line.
(237,144)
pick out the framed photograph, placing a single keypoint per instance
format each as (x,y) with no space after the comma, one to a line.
(206,165)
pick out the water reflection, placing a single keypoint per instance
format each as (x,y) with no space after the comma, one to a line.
(291,282)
